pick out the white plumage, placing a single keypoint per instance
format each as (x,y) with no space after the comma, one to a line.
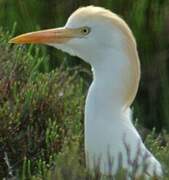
(103,39)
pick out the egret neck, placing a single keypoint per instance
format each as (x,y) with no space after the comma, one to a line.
(112,77)
(107,112)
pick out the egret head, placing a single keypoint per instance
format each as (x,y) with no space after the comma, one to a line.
(88,32)
(102,39)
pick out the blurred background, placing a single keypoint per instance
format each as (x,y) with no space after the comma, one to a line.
(149,21)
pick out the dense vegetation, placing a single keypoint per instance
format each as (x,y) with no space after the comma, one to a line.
(42,91)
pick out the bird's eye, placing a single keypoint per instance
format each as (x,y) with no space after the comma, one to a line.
(85,30)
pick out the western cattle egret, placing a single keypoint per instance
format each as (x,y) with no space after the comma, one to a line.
(104,40)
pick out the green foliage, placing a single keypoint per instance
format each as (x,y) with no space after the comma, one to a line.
(38,111)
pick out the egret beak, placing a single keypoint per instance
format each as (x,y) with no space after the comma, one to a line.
(58,35)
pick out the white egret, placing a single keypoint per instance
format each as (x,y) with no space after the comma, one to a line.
(104,40)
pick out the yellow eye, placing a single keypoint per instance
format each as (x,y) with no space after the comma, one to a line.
(85,30)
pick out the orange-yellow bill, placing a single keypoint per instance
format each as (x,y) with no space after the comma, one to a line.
(58,35)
